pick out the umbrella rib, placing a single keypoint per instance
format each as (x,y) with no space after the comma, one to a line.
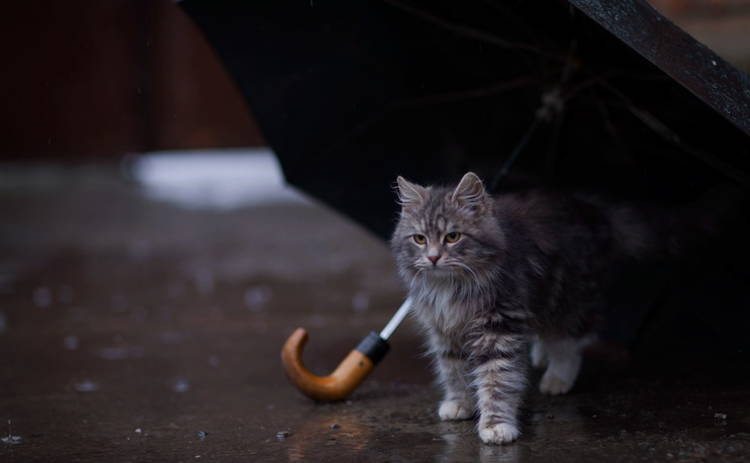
(448,97)
(471,32)
(611,128)
(669,135)
(511,159)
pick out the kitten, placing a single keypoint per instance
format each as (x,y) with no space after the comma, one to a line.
(490,275)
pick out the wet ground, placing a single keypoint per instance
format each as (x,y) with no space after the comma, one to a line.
(133,329)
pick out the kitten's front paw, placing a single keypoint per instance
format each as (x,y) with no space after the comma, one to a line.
(501,433)
(553,385)
(451,410)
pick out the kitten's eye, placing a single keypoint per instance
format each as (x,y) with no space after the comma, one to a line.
(452,237)
(419,239)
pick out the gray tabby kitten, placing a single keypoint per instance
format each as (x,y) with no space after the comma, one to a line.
(490,275)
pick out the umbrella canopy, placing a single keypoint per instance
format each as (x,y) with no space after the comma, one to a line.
(581,94)
(604,94)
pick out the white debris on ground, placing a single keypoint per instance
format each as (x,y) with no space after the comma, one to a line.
(214,179)
(11,439)
(86,386)
(181,385)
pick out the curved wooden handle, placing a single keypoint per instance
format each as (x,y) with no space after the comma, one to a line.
(336,386)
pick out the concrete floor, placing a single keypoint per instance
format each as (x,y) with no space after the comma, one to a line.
(137,330)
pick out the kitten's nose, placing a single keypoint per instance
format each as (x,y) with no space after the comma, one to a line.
(433,259)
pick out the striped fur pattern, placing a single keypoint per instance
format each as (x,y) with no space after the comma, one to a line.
(489,276)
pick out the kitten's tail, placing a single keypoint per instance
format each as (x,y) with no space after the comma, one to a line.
(643,232)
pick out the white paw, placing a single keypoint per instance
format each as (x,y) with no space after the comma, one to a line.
(502,433)
(551,384)
(451,410)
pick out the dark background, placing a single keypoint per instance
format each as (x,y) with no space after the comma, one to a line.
(89,80)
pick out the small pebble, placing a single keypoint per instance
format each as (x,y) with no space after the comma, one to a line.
(138,430)
(720,416)
(281,435)
(334,426)
(202,435)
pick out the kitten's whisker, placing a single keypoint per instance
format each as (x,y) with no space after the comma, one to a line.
(466,267)
(419,270)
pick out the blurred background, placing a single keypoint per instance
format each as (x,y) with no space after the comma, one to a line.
(153,260)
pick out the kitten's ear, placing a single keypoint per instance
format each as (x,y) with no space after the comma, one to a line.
(470,190)
(410,194)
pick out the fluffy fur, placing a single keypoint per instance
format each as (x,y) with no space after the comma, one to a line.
(525,269)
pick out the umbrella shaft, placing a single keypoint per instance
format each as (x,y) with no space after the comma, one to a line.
(396,320)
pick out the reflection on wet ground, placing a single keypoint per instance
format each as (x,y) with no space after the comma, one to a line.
(133,329)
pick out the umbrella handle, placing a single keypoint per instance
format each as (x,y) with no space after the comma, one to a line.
(345,378)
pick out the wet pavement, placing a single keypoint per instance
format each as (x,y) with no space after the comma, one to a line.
(133,329)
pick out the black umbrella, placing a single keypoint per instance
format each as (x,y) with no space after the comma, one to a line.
(602,94)
(350,94)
